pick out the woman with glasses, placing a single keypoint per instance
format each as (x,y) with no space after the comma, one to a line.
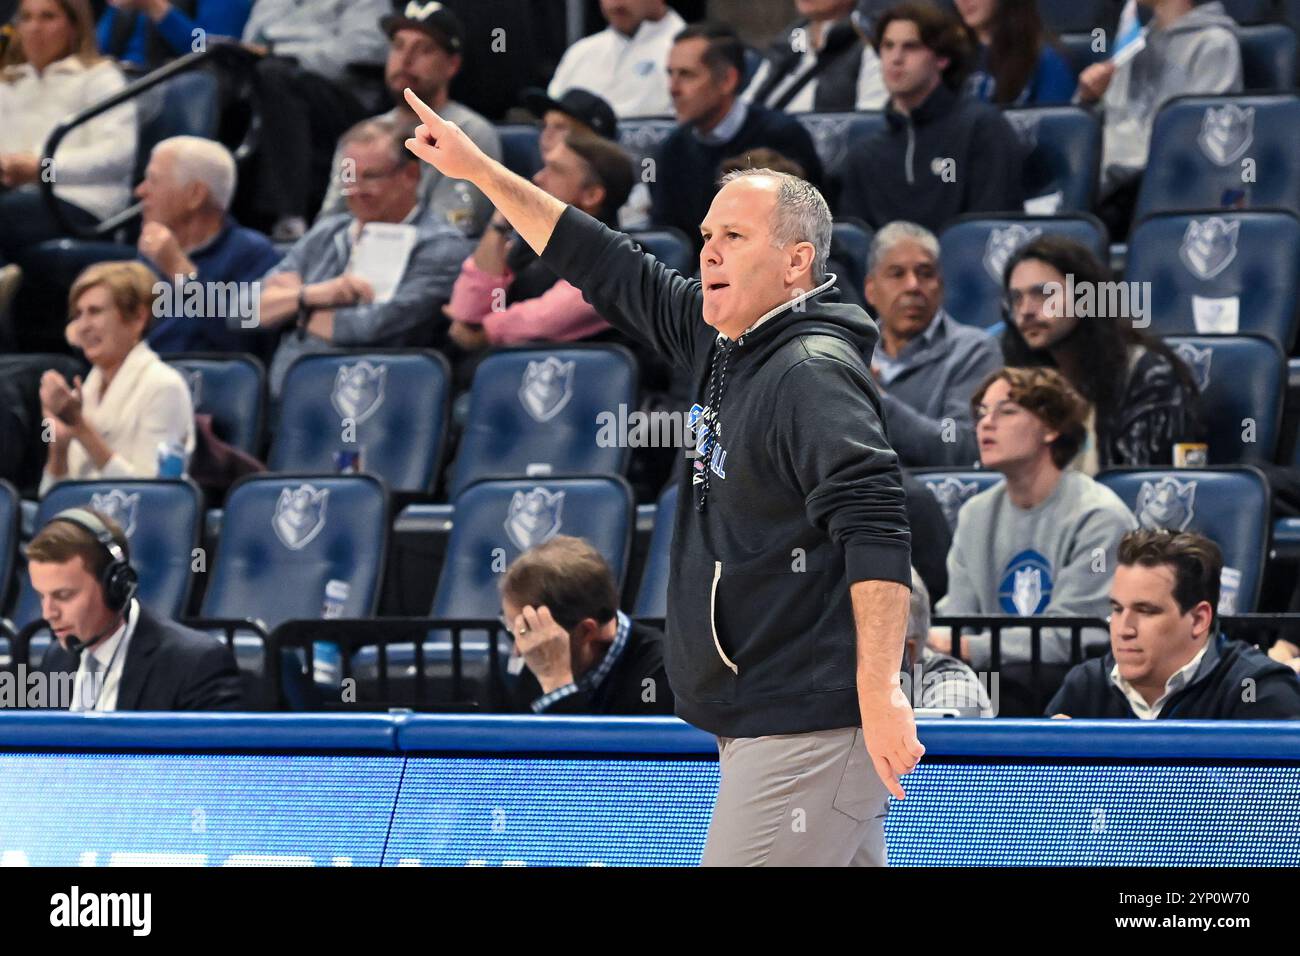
(1142,398)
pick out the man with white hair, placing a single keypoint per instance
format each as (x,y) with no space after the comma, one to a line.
(188,237)
(928,364)
(791,551)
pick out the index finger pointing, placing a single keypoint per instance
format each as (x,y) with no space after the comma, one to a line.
(422,109)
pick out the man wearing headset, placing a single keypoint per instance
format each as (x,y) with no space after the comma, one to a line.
(124,656)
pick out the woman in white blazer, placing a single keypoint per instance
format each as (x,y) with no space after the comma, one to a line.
(111,425)
(51,70)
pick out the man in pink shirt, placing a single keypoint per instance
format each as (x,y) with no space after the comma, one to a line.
(505,295)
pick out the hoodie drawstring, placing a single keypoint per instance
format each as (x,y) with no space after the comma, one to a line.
(717,388)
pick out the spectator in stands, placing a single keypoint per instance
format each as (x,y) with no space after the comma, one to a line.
(1190,48)
(1286,652)
(52,70)
(303,93)
(148,33)
(819,64)
(111,425)
(1168,658)
(940,154)
(937,680)
(315,286)
(582,655)
(119,654)
(505,295)
(927,364)
(626,61)
(1016,62)
(425,53)
(188,237)
(577,111)
(1142,397)
(1043,541)
(705,68)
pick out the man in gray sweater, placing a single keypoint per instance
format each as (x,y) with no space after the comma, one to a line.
(927,364)
(1042,542)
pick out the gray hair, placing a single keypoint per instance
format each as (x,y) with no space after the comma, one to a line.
(801,215)
(896,232)
(918,612)
(381,129)
(205,161)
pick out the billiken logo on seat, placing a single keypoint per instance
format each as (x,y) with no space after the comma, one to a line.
(1226,133)
(546,387)
(534,517)
(1209,246)
(299,515)
(119,506)
(358,390)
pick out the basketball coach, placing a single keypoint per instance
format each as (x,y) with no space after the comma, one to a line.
(788,594)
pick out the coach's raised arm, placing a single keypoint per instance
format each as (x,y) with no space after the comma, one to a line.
(790,567)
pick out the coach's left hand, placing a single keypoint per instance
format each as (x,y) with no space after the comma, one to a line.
(890,731)
(544,646)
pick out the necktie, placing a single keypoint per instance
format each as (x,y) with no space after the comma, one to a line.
(90,684)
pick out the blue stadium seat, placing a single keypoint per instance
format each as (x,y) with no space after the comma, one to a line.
(1230,506)
(536,412)
(60,261)
(953,487)
(1268,56)
(520,149)
(850,243)
(230,388)
(1241,380)
(285,537)
(1068,16)
(397,405)
(652,595)
(495,521)
(974,250)
(1223,151)
(161,520)
(835,134)
(10,512)
(643,137)
(1249,11)
(669,246)
(1064,153)
(1234,271)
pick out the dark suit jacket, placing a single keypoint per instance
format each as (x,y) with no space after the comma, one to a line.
(167,667)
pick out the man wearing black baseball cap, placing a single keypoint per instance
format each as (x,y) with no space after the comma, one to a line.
(426,44)
(577,111)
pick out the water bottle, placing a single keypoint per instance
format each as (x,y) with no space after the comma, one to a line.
(171,459)
(329,658)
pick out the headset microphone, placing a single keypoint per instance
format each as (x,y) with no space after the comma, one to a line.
(118,579)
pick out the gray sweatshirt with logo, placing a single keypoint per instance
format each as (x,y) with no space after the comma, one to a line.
(1056,558)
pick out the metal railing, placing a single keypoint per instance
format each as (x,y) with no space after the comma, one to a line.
(220,52)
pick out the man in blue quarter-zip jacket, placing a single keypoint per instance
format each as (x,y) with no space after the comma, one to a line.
(788,594)
(940,154)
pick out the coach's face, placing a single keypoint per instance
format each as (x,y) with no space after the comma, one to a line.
(1149,635)
(72,601)
(742,273)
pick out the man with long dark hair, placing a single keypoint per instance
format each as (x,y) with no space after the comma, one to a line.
(1143,398)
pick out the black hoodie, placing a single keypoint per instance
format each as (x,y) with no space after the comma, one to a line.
(1234,681)
(802,495)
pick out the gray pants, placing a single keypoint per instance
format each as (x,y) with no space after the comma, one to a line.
(798,800)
